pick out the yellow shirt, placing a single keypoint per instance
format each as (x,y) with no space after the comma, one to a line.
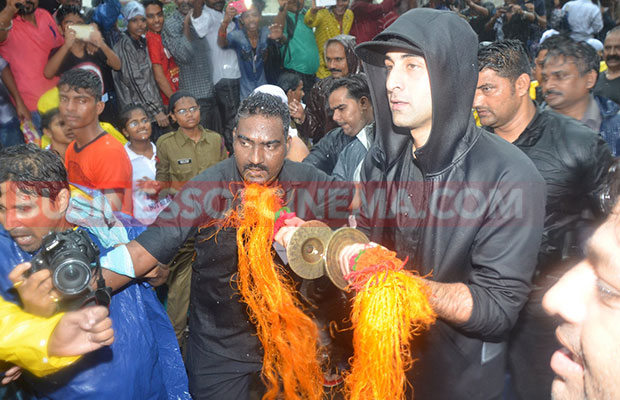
(326,27)
(24,338)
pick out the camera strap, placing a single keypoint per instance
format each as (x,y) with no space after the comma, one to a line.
(102,296)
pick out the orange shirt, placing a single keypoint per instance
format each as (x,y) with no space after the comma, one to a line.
(101,164)
(27,49)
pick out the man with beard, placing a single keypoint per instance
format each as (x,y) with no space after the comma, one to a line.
(569,73)
(444,179)
(608,84)
(195,72)
(206,20)
(224,355)
(587,301)
(552,141)
(315,121)
(27,35)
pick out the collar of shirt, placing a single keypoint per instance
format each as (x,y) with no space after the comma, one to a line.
(139,44)
(592,117)
(182,139)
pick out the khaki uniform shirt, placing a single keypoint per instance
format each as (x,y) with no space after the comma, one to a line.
(179,158)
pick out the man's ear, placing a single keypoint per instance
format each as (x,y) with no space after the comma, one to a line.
(522,85)
(591,77)
(100,106)
(62,200)
(365,103)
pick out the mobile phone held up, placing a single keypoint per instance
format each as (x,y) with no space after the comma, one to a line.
(82,32)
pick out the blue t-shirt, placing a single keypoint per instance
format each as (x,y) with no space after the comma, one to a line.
(251,61)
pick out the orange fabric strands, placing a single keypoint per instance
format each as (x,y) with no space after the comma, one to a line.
(289,337)
(390,306)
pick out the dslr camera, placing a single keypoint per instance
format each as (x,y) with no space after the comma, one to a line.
(72,258)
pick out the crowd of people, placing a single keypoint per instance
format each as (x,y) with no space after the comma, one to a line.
(476,140)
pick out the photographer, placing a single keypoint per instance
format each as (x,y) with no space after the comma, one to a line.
(144,361)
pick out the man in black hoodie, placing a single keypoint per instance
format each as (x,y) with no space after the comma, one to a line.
(460,203)
(574,161)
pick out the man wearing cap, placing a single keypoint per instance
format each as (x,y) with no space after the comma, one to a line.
(466,209)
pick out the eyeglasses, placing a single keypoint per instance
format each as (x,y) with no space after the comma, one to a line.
(135,123)
(183,111)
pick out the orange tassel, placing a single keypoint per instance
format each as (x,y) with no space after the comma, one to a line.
(289,337)
(390,307)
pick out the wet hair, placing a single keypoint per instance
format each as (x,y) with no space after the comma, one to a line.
(289,80)
(507,57)
(259,4)
(552,42)
(146,3)
(65,10)
(34,170)
(125,114)
(78,78)
(48,117)
(581,53)
(357,86)
(266,105)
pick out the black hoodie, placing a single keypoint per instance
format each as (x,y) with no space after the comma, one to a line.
(469,207)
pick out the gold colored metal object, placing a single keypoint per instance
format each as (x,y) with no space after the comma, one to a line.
(314,249)
(306,249)
(339,240)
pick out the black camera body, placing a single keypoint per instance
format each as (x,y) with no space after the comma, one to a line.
(72,258)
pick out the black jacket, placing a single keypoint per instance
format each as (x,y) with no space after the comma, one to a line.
(324,154)
(468,208)
(574,161)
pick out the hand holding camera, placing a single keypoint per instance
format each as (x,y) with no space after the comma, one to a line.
(35,290)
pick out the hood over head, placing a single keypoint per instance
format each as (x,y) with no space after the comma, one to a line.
(349,43)
(450,48)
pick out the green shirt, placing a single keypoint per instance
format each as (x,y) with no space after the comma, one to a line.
(179,158)
(301,53)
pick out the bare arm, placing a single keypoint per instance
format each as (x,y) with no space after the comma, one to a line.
(9,81)
(6,19)
(143,263)
(222,40)
(112,58)
(451,301)
(54,63)
(162,81)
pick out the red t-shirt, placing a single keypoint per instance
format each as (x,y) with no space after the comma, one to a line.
(27,50)
(159,55)
(101,164)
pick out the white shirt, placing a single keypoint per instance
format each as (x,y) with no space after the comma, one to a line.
(224,61)
(584,18)
(145,209)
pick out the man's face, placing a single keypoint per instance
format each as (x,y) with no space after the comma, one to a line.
(294,5)
(336,60)
(216,4)
(28,218)
(136,26)
(496,99)
(184,6)
(296,94)
(70,19)
(409,90)
(78,108)
(348,112)
(611,51)
(27,7)
(562,84)
(251,19)
(341,7)
(260,148)
(154,18)
(538,65)
(587,299)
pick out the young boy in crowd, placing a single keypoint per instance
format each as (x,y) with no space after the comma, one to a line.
(91,53)
(57,131)
(165,68)
(142,154)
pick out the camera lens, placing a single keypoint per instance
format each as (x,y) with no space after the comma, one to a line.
(72,277)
